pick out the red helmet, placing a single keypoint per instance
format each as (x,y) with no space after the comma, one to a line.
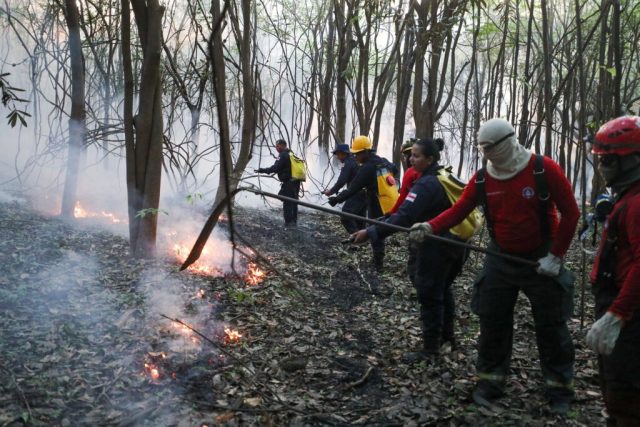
(619,136)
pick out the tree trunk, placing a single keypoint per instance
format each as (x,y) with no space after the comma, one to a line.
(325,96)
(405,65)
(345,46)
(145,168)
(546,54)
(523,131)
(465,114)
(229,173)
(77,120)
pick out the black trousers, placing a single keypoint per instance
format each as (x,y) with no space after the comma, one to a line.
(436,267)
(290,189)
(494,298)
(356,205)
(620,371)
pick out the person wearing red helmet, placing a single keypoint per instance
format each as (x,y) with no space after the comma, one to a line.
(615,275)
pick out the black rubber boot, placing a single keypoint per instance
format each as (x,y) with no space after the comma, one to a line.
(449,337)
(485,394)
(432,345)
(378,262)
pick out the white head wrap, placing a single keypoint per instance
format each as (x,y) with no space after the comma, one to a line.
(498,144)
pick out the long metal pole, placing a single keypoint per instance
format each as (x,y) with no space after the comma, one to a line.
(394,227)
(208,228)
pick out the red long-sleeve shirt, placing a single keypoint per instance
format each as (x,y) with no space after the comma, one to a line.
(410,176)
(514,209)
(627,262)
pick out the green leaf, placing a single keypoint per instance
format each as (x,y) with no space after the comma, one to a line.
(192,198)
(610,70)
(150,211)
(13,117)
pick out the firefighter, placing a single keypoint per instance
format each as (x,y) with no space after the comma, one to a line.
(521,212)
(356,204)
(437,264)
(367,179)
(410,174)
(289,187)
(409,177)
(615,336)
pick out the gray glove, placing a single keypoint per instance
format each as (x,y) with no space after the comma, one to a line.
(420,231)
(549,265)
(604,333)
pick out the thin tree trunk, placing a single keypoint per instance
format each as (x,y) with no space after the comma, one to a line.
(546,55)
(77,120)
(523,132)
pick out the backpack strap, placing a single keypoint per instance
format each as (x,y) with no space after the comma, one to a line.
(482,200)
(543,195)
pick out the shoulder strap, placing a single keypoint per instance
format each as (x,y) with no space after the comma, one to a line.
(543,195)
(612,227)
(482,200)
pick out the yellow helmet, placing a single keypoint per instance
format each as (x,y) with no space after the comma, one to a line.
(408,144)
(361,143)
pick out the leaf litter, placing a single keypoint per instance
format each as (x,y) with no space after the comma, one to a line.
(320,341)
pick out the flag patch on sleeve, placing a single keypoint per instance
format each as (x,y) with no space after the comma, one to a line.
(411,197)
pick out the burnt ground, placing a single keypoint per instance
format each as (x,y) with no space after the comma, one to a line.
(83,340)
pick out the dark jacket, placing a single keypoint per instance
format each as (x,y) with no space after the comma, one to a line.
(367,179)
(426,200)
(282,167)
(347,173)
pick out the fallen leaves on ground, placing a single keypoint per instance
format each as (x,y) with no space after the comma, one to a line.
(319,341)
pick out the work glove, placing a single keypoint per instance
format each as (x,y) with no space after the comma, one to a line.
(549,265)
(604,333)
(420,231)
(259,170)
(333,200)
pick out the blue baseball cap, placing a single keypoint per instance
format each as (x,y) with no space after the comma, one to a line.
(342,148)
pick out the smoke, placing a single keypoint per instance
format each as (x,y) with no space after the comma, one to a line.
(166,295)
(8,198)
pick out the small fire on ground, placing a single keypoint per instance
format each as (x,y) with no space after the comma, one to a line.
(80,212)
(151,366)
(186,331)
(157,365)
(207,263)
(254,275)
(231,335)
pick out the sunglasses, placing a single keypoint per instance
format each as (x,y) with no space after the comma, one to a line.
(607,159)
(490,146)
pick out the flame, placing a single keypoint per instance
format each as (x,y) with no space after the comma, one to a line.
(80,212)
(202,266)
(254,275)
(209,261)
(186,331)
(232,335)
(152,370)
